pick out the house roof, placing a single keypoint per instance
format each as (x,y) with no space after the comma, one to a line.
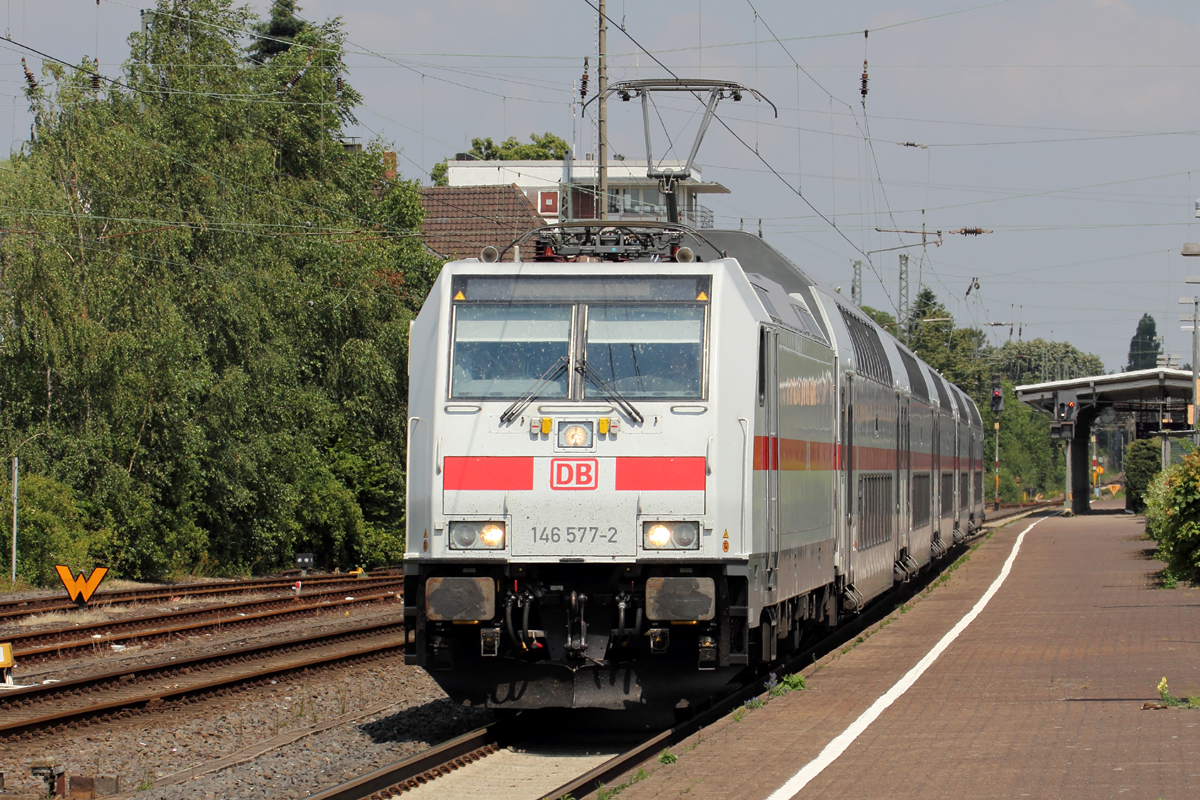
(462,220)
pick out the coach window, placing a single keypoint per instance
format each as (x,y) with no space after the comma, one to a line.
(647,351)
(502,350)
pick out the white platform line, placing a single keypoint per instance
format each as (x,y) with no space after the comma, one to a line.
(839,745)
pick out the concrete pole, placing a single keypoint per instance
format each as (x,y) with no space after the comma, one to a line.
(602,115)
(1067,488)
(1195,369)
(997,506)
(14,541)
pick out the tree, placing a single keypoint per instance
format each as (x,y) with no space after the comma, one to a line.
(546,147)
(206,308)
(277,34)
(1038,360)
(1143,349)
(881,318)
(1029,460)
(1143,460)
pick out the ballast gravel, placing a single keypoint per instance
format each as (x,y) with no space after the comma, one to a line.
(153,748)
(384,711)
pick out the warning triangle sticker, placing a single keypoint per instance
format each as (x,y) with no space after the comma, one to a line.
(726,536)
(460,295)
(702,296)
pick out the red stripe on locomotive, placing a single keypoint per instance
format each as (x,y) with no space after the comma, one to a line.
(488,473)
(660,474)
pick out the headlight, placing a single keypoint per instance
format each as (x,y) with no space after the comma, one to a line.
(476,535)
(670,535)
(575,434)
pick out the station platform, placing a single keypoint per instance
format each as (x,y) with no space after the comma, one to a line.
(1041,694)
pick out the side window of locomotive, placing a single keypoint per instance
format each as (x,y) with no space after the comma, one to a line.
(500,351)
(647,351)
(767,304)
(762,367)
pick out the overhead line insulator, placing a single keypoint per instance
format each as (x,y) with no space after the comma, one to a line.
(29,78)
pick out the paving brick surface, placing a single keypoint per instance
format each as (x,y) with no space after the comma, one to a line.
(1041,696)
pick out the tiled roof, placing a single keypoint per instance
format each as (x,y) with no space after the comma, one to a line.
(462,220)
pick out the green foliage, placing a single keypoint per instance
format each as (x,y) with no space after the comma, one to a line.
(881,318)
(667,757)
(1143,460)
(1037,360)
(546,147)
(277,34)
(606,793)
(794,682)
(1143,350)
(1168,699)
(1173,515)
(1030,461)
(207,305)
(51,531)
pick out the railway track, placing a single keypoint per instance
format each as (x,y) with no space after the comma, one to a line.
(478,749)
(122,693)
(14,609)
(77,639)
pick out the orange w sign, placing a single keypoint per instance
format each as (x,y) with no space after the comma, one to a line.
(79,589)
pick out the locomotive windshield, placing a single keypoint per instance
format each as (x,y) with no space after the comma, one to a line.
(647,351)
(641,335)
(500,350)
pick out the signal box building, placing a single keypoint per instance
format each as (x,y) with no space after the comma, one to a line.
(568,189)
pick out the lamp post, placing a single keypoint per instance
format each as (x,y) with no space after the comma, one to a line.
(1195,320)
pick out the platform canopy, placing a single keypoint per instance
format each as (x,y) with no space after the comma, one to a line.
(1140,390)
(1157,392)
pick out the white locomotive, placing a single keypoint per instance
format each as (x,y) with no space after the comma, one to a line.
(652,457)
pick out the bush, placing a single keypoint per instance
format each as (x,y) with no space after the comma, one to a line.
(50,531)
(1143,460)
(1154,497)
(1173,515)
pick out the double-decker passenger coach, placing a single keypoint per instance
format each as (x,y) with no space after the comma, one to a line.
(651,457)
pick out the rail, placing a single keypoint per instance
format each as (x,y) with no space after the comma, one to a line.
(129,680)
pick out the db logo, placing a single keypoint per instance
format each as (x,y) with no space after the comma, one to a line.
(573,473)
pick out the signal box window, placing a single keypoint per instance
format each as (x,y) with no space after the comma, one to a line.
(645,351)
(500,351)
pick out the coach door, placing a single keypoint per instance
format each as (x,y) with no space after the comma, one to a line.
(847,450)
(904,474)
(771,342)
(935,478)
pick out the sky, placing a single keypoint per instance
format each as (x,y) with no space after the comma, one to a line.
(1067,128)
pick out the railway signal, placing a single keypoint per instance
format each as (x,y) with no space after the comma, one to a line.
(1066,406)
(997,407)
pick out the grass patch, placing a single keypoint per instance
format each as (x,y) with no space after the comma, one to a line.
(83,616)
(21,585)
(1167,579)
(604,793)
(667,757)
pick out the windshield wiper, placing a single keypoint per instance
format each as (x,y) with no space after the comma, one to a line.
(549,376)
(609,391)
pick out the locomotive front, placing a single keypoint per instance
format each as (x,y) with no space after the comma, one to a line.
(563,545)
